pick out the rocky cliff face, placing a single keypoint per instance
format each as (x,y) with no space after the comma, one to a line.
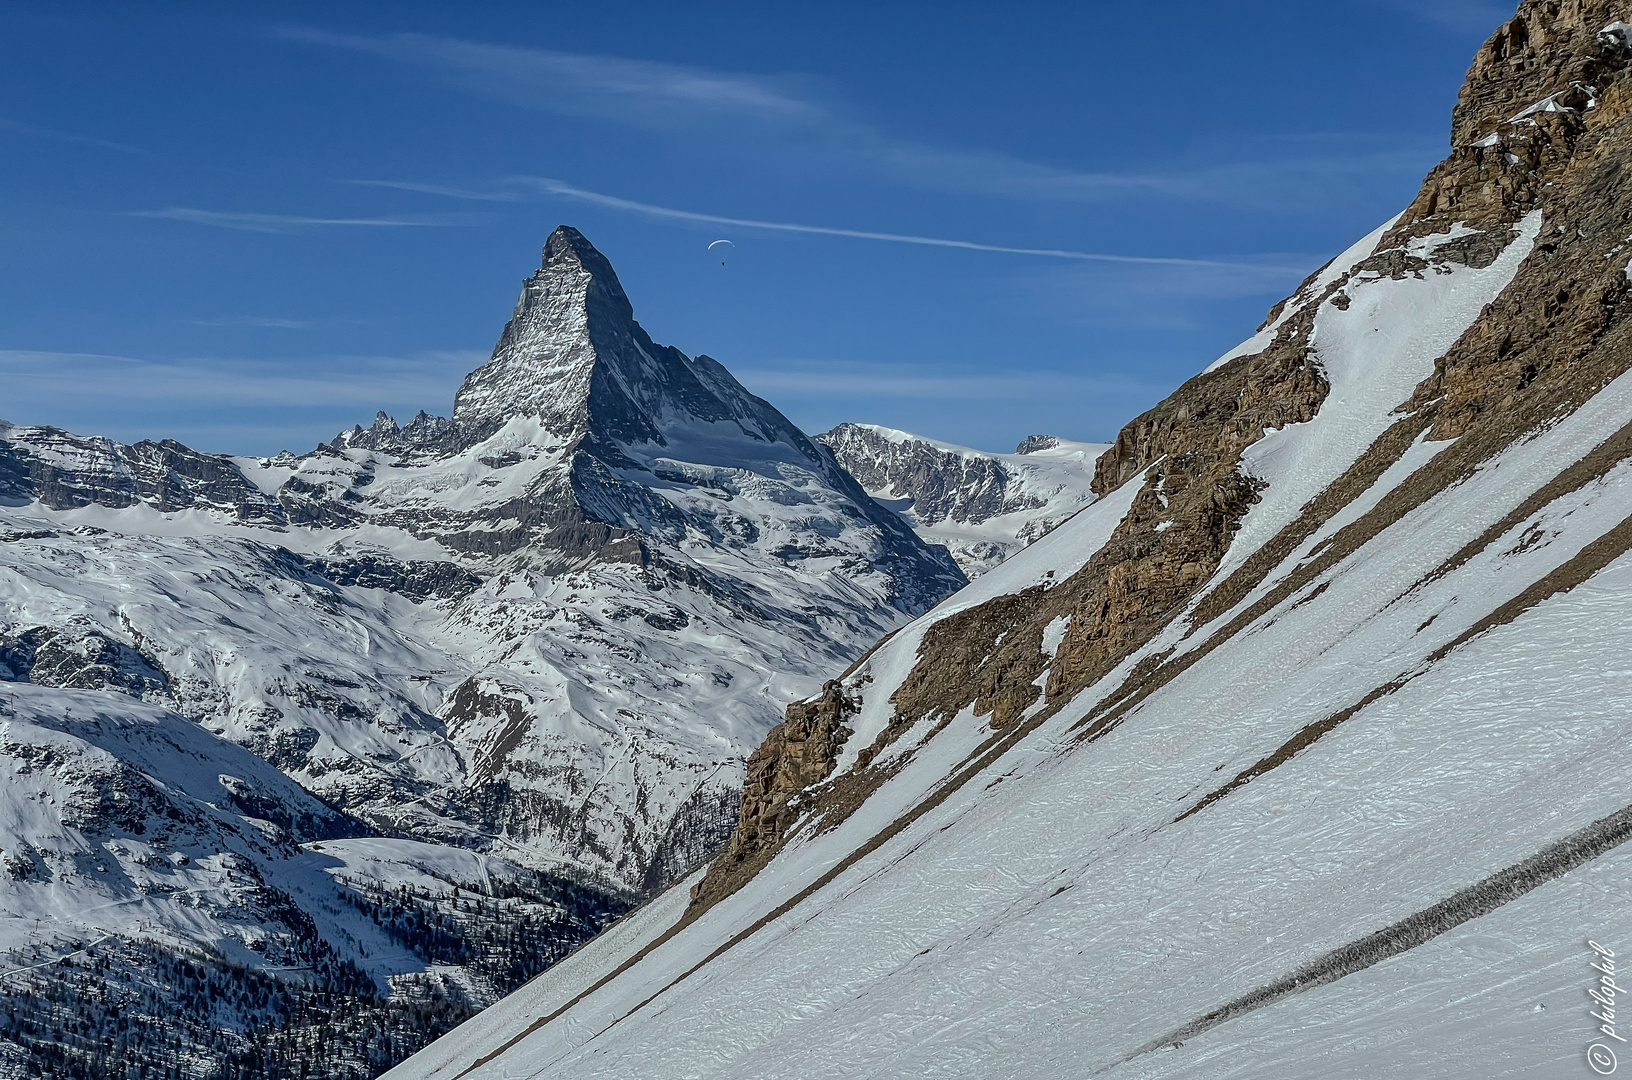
(62,471)
(573,356)
(982,507)
(388,437)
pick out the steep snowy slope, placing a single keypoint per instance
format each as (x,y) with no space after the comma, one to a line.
(1299,752)
(982,507)
(551,627)
(520,655)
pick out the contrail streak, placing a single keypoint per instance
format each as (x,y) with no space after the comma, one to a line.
(556,187)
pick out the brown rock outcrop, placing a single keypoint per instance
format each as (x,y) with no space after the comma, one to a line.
(1544,122)
(799,752)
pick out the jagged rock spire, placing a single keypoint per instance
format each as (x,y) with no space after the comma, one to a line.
(573,357)
(571,316)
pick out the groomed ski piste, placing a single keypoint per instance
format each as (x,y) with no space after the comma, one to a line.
(1312,851)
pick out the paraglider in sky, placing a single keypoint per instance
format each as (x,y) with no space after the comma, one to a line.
(712,246)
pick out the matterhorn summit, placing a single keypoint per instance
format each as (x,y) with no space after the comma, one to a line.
(582,440)
(572,357)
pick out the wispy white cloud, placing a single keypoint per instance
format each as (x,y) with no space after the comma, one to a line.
(643,92)
(556,187)
(988,407)
(224,405)
(441,189)
(45,380)
(262,322)
(789,118)
(855,379)
(1309,171)
(1138,299)
(1462,16)
(17,127)
(285,223)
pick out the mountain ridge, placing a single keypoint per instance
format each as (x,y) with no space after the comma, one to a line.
(680,500)
(983,507)
(528,647)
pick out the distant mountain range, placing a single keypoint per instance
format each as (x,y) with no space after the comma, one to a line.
(982,507)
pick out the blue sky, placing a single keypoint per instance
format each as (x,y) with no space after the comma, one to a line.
(248,226)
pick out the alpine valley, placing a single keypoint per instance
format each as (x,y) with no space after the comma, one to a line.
(1300,751)
(308,758)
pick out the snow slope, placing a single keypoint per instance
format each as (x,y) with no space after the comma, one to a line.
(1359,816)
(123,818)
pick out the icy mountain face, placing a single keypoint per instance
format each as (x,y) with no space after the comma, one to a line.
(1291,747)
(982,507)
(572,349)
(553,626)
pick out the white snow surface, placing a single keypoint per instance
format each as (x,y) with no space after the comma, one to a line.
(1310,290)
(124,818)
(1049,918)
(612,674)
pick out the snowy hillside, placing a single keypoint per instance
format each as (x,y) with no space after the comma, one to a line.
(982,507)
(415,712)
(1299,752)
(126,819)
(135,839)
(552,626)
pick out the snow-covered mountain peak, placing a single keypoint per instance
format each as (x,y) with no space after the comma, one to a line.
(983,507)
(573,356)
(387,436)
(544,363)
(561,618)
(1031,444)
